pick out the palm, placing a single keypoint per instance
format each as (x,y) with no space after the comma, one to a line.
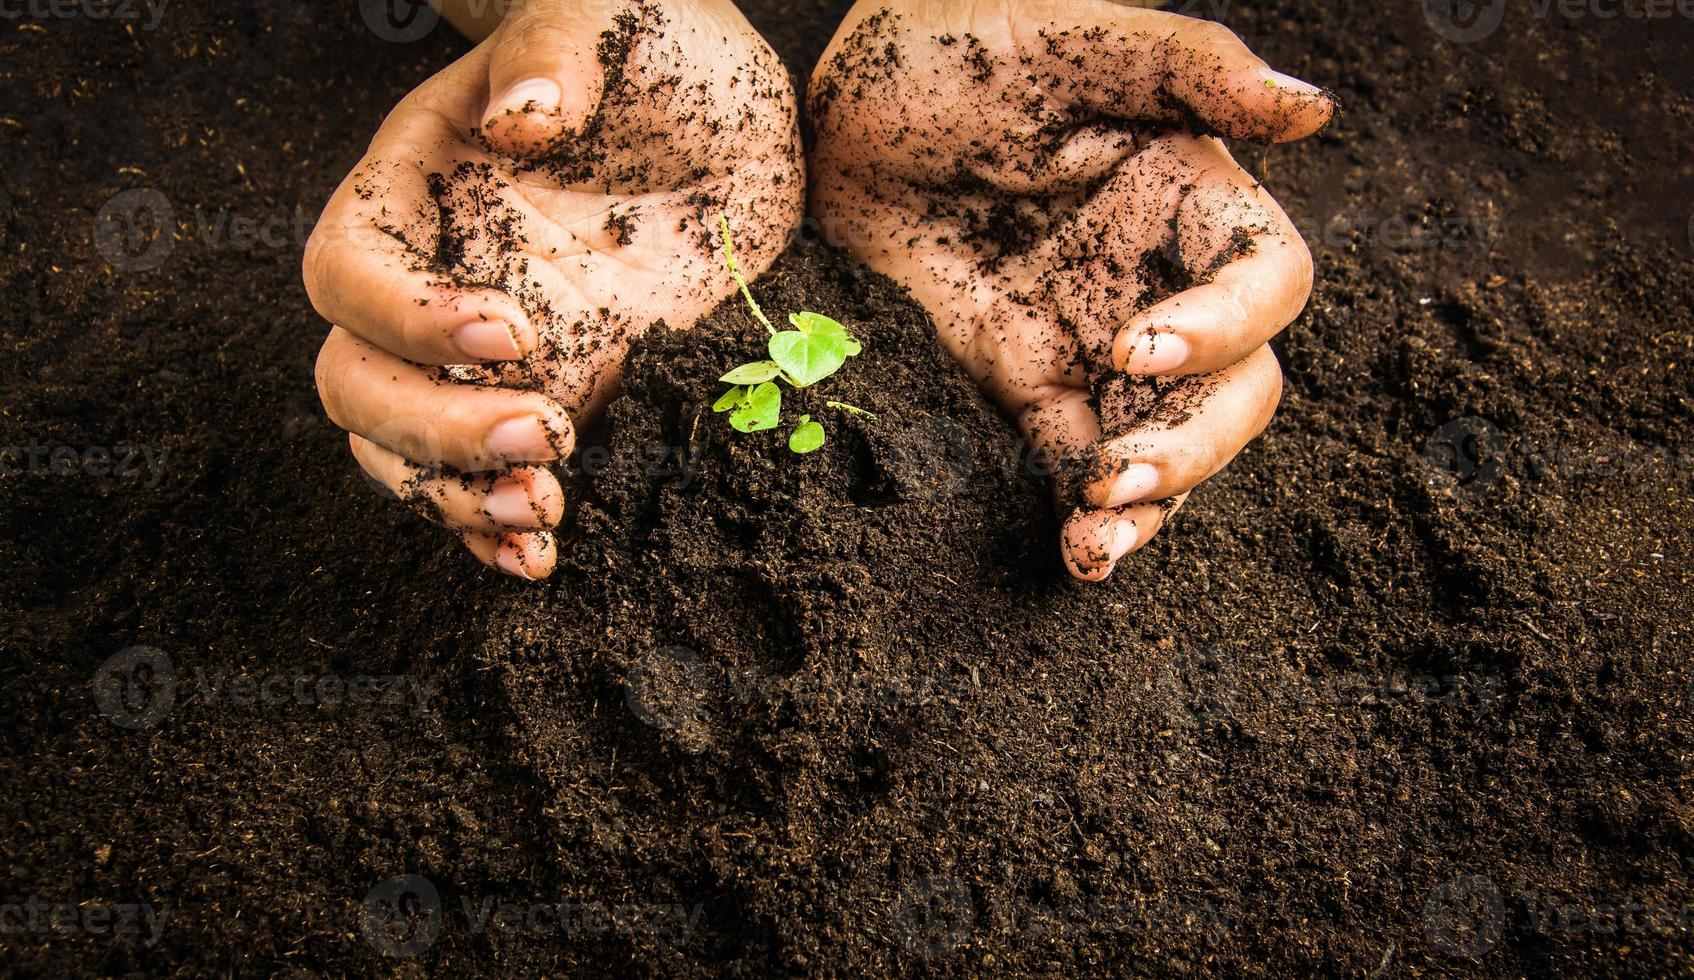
(599,234)
(1031,173)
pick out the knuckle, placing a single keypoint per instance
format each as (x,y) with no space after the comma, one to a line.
(326,372)
(1212,34)
(536,29)
(315,266)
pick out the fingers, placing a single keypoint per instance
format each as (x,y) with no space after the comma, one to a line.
(406,410)
(524,498)
(1060,424)
(544,74)
(525,556)
(1160,440)
(1211,419)
(1093,541)
(1141,64)
(374,285)
(1262,284)
(489,511)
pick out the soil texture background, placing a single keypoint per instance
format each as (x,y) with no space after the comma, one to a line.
(1404,691)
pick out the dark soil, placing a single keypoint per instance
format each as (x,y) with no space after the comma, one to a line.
(1405,690)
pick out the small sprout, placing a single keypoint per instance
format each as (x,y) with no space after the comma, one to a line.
(850,409)
(735,271)
(808,436)
(816,348)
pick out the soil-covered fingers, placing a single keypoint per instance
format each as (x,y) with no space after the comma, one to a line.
(1250,274)
(544,74)
(1061,426)
(1135,64)
(1163,438)
(522,498)
(408,410)
(527,556)
(367,277)
(1094,540)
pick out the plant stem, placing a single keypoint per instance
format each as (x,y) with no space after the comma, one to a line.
(854,409)
(735,271)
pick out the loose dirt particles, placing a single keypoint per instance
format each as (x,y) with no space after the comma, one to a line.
(1404,691)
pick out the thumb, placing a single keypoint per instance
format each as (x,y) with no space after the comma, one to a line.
(544,74)
(1147,64)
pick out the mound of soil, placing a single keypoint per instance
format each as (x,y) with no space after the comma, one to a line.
(1405,690)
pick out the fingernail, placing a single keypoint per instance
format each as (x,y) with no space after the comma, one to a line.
(510,558)
(508,504)
(1124,536)
(1292,85)
(1156,353)
(1134,484)
(520,440)
(532,95)
(488,340)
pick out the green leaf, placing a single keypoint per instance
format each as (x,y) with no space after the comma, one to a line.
(818,325)
(808,358)
(808,436)
(762,409)
(757,372)
(730,399)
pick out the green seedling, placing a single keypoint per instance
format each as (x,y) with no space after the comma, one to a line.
(816,348)
(808,435)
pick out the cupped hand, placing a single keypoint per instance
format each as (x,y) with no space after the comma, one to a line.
(518,220)
(1045,177)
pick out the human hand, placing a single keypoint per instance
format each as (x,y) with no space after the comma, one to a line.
(1036,174)
(524,215)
